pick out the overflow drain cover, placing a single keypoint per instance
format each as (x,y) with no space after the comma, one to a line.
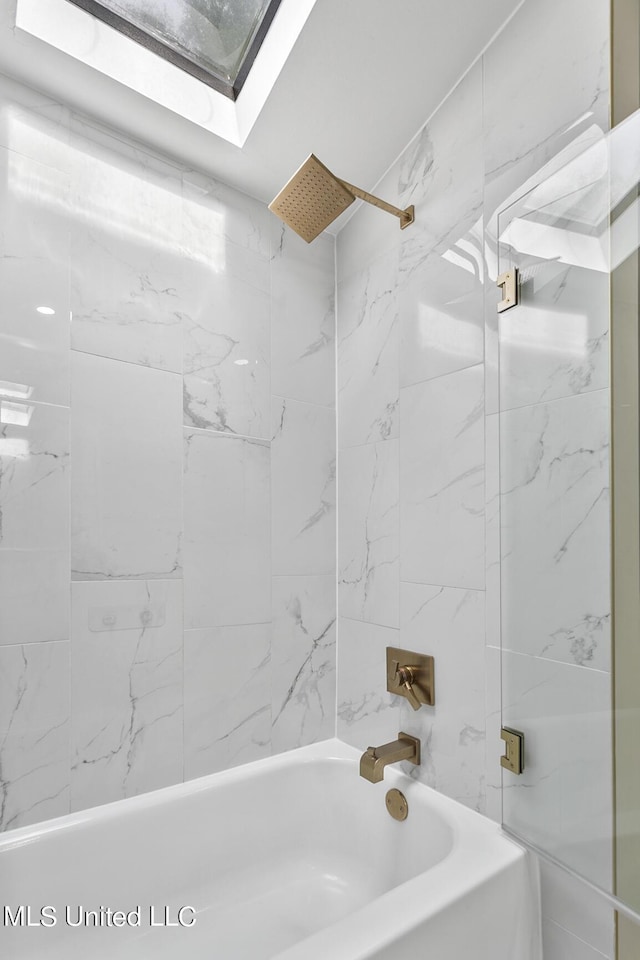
(397,804)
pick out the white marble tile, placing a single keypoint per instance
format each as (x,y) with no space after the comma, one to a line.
(34,348)
(303,478)
(368,337)
(441,312)
(369,233)
(555,530)
(125,299)
(126,441)
(369,534)
(226,322)
(559,944)
(218,214)
(303,661)
(574,906)
(562,801)
(34,527)
(367,714)
(448,624)
(227,697)
(126,255)
(441,173)
(34,733)
(442,481)
(126,683)
(555,342)
(303,332)
(227,573)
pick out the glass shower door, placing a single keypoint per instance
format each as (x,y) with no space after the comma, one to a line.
(569,237)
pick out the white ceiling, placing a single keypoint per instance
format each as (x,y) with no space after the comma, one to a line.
(362,78)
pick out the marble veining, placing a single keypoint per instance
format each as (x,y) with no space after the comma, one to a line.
(226,529)
(442,480)
(226,351)
(368,575)
(126,686)
(126,516)
(368,337)
(303,477)
(303,661)
(302,318)
(555,530)
(34,522)
(227,714)
(34,733)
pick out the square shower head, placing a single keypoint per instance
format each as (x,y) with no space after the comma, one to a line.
(312,199)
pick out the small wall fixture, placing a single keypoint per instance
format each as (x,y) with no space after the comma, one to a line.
(314,197)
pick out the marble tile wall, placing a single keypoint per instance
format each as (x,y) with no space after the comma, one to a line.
(167,471)
(494,456)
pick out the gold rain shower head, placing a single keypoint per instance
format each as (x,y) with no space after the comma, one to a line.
(314,197)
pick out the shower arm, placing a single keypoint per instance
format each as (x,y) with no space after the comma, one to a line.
(405,216)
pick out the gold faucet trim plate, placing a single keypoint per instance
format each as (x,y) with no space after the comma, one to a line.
(411,675)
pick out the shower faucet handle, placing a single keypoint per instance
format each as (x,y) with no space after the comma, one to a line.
(405,677)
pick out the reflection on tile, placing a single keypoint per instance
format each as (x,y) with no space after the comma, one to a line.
(34,528)
(34,733)
(555,343)
(126,484)
(368,354)
(368,578)
(441,173)
(227,715)
(226,352)
(215,214)
(303,472)
(227,576)
(303,661)
(448,624)
(34,347)
(442,481)
(441,313)
(303,319)
(555,530)
(562,801)
(34,198)
(126,670)
(125,300)
(366,712)
(536,64)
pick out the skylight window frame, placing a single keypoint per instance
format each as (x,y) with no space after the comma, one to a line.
(135,33)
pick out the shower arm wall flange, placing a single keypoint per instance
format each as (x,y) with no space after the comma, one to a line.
(405,216)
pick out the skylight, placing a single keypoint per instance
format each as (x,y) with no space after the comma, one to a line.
(213,40)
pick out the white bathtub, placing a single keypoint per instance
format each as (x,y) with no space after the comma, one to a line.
(294,857)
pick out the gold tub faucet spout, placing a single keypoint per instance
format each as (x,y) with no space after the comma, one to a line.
(375,759)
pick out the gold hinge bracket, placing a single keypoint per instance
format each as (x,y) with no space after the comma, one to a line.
(508,282)
(513,759)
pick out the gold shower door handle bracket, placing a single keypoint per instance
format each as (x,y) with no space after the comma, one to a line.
(513,759)
(406,216)
(508,282)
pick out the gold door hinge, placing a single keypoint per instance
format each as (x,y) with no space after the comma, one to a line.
(508,282)
(513,760)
